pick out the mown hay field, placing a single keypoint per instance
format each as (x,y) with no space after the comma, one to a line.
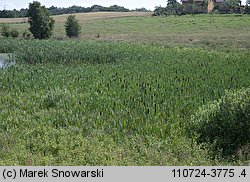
(206,31)
(82,16)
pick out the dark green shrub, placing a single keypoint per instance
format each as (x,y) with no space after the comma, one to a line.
(246,10)
(72,27)
(225,124)
(14,33)
(159,11)
(173,8)
(5,30)
(26,34)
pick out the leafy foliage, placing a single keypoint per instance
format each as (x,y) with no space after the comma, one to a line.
(175,8)
(70,10)
(192,7)
(159,11)
(26,34)
(225,124)
(13,13)
(5,30)
(229,6)
(247,8)
(72,26)
(14,33)
(41,24)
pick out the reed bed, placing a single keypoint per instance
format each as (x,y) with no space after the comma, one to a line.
(109,103)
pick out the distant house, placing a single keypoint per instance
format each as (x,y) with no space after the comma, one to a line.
(200,5)
(212,4)
(191,1)
(199,1)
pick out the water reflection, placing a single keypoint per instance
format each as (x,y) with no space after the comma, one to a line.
(6,60)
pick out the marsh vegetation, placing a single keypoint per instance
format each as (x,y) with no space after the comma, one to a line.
(92,102)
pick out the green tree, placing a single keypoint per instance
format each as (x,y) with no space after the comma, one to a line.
(174,8)
(233,5)
(72,27)
(41,24)
(171,2)
(159,11)
(247,7)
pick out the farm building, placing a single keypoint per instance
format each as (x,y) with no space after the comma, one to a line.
(199,1)
(200,6)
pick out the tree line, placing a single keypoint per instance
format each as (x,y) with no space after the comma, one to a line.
(70,10)
(226,7)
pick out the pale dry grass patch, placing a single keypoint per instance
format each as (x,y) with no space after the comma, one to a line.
(82,16)
(100,15)
(13,20)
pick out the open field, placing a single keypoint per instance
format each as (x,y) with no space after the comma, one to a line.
(82,17)
(207,31)
(125,98)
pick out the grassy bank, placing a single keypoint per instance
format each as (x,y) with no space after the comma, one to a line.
(207,31)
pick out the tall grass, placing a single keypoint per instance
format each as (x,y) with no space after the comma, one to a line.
(136,99)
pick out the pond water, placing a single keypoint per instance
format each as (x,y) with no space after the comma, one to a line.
(6,60)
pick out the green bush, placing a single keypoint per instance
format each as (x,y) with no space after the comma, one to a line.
(5,30)
(72,27)
(26,34)
(14,33)
(225,124)
(246,10)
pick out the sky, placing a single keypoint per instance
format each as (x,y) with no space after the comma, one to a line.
(131,4)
